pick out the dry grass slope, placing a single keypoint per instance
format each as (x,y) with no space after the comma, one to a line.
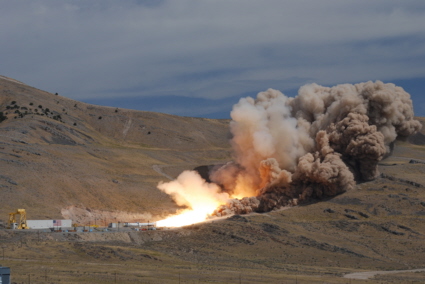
(56,152)
(378,226)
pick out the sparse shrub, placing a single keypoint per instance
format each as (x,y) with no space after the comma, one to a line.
(100,117)
(31,104)
(13,102)
(75,124)
(116,110)
(56,94)
(40,106)
(2,117)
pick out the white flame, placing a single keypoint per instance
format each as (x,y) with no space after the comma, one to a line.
(189,189)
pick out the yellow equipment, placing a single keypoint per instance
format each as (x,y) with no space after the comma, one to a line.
(22,224)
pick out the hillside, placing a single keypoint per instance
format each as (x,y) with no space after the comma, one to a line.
(57,153)
(99,164)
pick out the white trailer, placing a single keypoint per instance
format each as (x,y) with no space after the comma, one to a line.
(47,224)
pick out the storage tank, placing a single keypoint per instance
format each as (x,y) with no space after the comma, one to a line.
(4,275)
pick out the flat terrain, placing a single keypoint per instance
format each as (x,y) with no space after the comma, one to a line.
(379,226)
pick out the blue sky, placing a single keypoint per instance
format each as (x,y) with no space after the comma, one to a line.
(198,57)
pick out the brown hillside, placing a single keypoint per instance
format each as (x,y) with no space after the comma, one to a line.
(101,171)
(56,152)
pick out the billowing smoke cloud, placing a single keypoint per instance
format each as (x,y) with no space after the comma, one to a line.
(189,188)
(315,145)
(288,150)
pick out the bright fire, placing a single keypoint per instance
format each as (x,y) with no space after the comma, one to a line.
(188,217)
(189,189)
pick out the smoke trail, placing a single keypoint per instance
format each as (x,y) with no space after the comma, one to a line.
(315,145)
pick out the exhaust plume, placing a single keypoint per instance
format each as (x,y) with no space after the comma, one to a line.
(191,191)
(315,145)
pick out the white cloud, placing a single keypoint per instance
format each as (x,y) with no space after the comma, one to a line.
(221,48)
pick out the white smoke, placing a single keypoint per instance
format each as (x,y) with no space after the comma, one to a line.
(198,196)
(190,189)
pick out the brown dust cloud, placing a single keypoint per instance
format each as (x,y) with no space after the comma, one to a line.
(287,150)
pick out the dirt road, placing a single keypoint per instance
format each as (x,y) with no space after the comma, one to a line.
(371,274)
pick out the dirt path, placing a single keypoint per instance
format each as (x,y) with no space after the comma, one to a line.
(370,274)
(158,169)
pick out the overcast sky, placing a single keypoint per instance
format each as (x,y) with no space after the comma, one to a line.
(198,57)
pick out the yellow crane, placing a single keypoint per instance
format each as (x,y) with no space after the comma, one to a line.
(22,224)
